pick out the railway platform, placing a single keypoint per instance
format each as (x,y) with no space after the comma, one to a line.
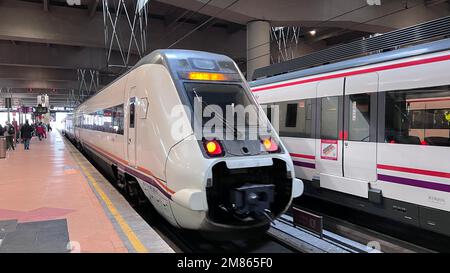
(57,201)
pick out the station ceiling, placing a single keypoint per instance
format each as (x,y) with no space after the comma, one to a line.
(45,43)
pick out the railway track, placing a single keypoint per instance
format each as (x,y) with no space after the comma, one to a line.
(375,231)
(194,242)
(308,242)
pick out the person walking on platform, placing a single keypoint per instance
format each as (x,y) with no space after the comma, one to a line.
(10,133)
(44,130)
(40,131)
(26,132)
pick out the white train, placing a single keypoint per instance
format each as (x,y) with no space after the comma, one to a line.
(372,133)
(209,185)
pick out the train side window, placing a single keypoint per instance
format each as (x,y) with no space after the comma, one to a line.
(359,118)
(291,115)
(118,119)
(329,118)
(418,117)
(132,112)
(107,124)
(295,118)
(143,108)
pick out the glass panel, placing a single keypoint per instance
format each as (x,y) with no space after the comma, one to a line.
(295,118)
(132,114)
(291,115)
(359,120)
(420,116)
(222,96)
(109,120)
(118,119)
(330,119)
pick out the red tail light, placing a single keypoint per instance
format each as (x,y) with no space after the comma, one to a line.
(423,142)
(213,147)
(270,145)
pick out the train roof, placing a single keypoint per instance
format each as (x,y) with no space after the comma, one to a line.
(163,56)
(412,51)
(157,55)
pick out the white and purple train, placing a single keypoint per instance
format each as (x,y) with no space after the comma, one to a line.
(372,133)
(197,184)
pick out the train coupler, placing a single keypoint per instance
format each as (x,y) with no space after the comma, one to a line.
(252,201)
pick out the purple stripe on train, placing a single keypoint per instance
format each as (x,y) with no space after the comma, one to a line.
(149,181)
(144,178)
(414,182)
(305,164)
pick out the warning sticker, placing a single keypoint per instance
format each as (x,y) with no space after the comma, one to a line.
(329,149)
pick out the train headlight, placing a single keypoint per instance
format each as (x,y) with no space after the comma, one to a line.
(213,147)
(270,145)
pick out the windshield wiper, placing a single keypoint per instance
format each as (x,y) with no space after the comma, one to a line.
(234,129)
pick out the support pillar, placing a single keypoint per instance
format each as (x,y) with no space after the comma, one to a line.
(258,46)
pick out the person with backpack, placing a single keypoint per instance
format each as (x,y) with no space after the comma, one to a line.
(27,133)
(10,133)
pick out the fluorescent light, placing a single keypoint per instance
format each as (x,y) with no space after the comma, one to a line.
(141,4)
(313,32)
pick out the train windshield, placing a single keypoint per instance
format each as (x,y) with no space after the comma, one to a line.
(229,102)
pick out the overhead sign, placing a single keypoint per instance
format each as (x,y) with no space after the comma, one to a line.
(41,110)
(25,110)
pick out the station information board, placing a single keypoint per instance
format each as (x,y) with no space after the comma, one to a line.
(40,110)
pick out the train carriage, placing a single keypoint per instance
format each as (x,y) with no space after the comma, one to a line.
(200,184)
(371,133)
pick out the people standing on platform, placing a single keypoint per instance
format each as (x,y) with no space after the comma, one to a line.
(44,130)
(10,133)
(16,127)
(40,131)
(26,132)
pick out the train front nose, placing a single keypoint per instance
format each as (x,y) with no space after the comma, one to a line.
(249,193)
(228,193)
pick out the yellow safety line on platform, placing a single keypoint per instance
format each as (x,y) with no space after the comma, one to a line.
(132,237)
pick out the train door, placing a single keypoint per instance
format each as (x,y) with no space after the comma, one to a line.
(360,128)
(346,143)
(131,142)
(329,144)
